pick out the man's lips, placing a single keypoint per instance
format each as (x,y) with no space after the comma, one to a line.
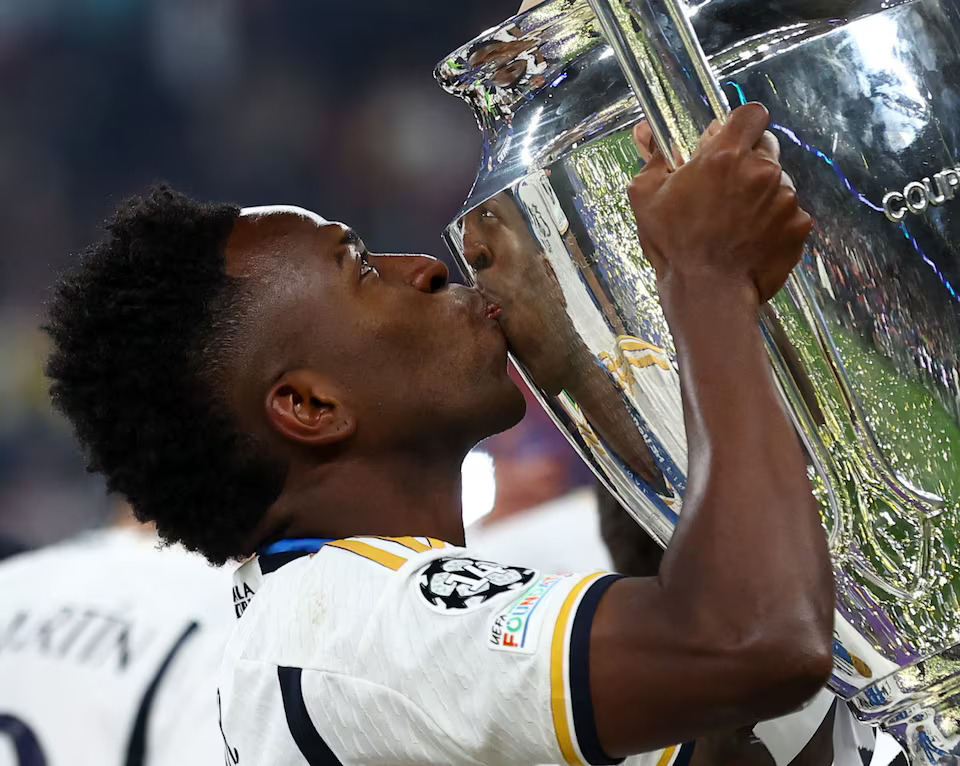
(492,310)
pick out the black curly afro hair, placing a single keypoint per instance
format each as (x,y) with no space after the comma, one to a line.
(142,329)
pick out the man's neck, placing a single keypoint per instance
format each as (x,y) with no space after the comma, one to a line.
(391,497)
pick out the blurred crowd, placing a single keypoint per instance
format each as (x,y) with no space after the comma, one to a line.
(328,105)
(888,304)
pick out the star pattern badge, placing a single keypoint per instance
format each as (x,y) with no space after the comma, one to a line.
(464,584)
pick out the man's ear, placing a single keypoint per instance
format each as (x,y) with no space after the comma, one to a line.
(306,407)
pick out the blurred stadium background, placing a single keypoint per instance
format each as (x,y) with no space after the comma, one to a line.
(328,105)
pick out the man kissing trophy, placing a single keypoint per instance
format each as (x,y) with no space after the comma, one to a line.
(864,98)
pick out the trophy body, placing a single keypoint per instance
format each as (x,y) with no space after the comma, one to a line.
(864,340)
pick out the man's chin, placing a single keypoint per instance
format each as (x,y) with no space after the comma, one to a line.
(505,412)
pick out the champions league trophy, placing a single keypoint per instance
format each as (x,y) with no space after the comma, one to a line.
(864,98)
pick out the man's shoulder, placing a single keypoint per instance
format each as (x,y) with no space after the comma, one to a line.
(341,564)
(349,576)
(296,607)
(321,609)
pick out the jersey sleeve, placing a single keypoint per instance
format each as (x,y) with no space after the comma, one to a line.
(471,661)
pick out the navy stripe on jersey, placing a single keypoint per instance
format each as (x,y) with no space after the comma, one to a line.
(137,749)
(580,700)
(275,555)
(305,734)
(271,562)
(685,754)
(26,746)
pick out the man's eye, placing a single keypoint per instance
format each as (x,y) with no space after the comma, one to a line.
(487,213)
(481,262)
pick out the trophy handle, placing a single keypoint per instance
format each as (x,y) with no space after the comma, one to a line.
(660,56)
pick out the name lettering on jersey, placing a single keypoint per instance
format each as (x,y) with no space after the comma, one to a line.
(86,636)
(517,628)
(241,598)
(463,584)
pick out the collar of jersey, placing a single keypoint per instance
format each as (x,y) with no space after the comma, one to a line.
(275,555)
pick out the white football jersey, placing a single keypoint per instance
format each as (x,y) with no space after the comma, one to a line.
(533,536)
(408,651)
(109,648)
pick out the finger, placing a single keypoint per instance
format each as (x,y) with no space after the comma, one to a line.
(648,180)
(677,156)
(786,180)
(656,165)
(712,130)
(745,126)
(643,138)
(708,135)
(647,145)
(768,146)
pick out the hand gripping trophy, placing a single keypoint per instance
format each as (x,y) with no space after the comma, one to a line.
(865,338)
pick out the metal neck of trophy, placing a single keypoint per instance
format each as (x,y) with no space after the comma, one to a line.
(657,49)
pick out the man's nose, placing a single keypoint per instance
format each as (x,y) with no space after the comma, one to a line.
(424,272)
(430,274)
(477,254)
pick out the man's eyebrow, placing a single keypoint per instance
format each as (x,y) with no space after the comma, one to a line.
(350,237)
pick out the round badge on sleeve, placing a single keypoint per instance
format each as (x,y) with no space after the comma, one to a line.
(463,584)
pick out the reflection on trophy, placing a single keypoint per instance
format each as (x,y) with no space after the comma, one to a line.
(864,340)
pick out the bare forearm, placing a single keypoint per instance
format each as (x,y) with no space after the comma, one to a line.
(749,545)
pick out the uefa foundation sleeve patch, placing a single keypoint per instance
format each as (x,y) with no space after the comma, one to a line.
(517,628)
(459,585)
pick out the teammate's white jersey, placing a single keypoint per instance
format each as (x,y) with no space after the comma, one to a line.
(407,651)
(109,649)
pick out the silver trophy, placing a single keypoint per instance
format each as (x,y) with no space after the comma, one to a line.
(864,339)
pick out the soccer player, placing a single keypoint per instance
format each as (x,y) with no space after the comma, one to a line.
(109,648)
(262,386)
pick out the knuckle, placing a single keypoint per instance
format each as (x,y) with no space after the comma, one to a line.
(770,168)
(789,197)
(723,157)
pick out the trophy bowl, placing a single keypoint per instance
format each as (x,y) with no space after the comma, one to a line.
(864,339)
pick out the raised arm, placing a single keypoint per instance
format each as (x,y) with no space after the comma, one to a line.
(737,627)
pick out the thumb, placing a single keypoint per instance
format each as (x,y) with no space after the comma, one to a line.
(656,167)
(643,138)
(648,181)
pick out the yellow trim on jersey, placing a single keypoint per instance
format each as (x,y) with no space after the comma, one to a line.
(407,542)
(435,543)
(562,722)
(652,354)
(648,360)
(667,756)
(389,560)
(633,343)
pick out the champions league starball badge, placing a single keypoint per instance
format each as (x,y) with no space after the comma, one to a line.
(464,584)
